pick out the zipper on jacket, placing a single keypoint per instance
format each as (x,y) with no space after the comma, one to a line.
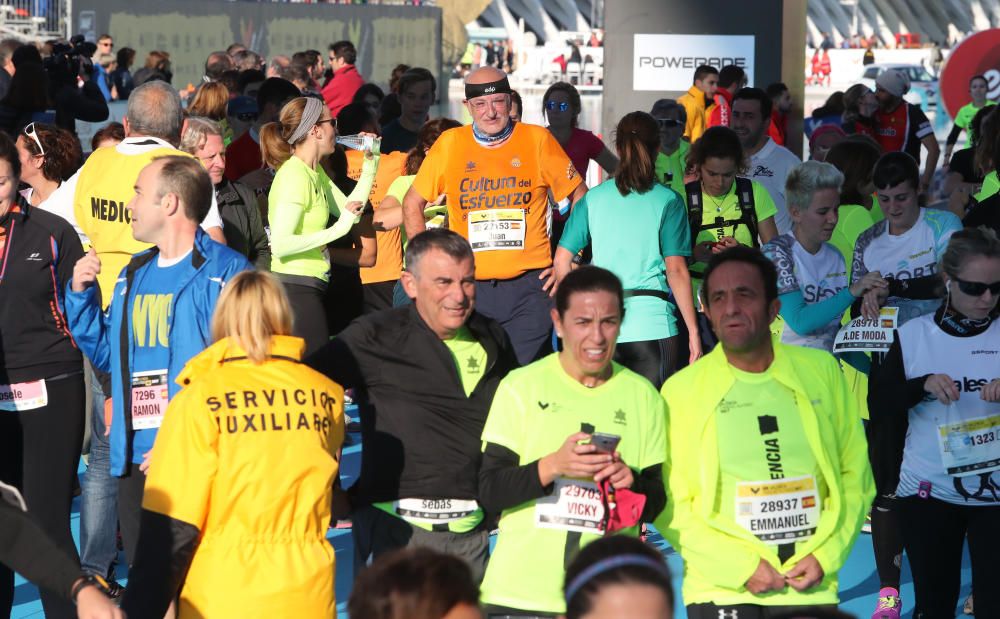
(6,248)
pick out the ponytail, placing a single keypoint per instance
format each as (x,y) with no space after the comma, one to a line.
(637,139)
(414,158)
(275,146)
(274,150)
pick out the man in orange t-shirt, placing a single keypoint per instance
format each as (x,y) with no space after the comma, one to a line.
(497,176)
(379,281)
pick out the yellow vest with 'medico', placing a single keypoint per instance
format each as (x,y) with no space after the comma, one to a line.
(104,188)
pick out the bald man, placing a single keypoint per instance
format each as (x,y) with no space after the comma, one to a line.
(496,176)
(216,64)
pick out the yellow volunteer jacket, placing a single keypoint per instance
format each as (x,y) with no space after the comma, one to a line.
(720,556)
(694,104)
(247,454)
(104,188)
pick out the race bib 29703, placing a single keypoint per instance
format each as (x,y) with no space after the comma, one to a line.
(574,505)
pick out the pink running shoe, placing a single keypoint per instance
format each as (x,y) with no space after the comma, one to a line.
(889,604)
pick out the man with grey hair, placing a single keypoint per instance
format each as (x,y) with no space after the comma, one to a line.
(246,60)
(427,373)
(497,176)
(243,228)
(671,161)
(277,66)
(94,201)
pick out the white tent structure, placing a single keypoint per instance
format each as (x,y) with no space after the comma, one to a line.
(943,21)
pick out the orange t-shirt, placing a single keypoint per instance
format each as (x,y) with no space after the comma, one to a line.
(389,263)
(498,198)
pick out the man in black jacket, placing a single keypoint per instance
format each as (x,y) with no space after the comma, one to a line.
(243,228)
(429,371)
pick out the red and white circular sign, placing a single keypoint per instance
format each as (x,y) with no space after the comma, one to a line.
(978,54)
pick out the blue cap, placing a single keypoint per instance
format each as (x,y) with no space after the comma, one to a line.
(242,105)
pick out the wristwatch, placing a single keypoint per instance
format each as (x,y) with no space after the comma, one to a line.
(88,580)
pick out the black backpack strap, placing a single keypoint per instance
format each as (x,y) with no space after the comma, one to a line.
(748,210)
(695,208)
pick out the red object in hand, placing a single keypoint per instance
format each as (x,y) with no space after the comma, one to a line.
(622,507)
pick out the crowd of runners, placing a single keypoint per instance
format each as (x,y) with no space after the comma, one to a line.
(541,369)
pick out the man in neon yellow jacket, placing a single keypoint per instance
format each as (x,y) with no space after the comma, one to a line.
(768,474)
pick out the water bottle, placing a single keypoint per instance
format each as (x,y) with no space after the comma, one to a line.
(360,142)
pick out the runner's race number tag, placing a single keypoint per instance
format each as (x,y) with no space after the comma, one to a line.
(574,505)
(970,447)
(435,511)
(863,335)
(497,229)
(24,396)
(779,511)
(149,399)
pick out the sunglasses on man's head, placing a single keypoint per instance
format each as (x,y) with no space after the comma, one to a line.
(562,106)
(976,289)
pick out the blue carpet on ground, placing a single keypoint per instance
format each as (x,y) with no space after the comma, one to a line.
(858,581)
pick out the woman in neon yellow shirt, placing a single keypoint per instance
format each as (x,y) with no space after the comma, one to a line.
(302,201)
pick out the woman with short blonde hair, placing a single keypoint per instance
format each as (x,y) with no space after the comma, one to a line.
(813,282)
(253,309)
(243,472)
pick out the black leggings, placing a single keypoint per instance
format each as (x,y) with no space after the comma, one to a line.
(933,534)
(39,453)
(309,314)
(655,360)
(130,489)
(377,296)
(885,442)
(887,540)
(705,333)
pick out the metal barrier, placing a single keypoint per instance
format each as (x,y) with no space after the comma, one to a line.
(34,20)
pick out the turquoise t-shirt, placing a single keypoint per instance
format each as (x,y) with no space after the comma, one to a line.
(631,236)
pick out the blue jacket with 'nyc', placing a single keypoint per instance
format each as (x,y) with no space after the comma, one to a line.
(106,337)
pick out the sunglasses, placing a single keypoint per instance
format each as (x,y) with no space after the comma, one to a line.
(332,121)
(562,106)
(29,131)
(668,123)
(976,289)
(247,116)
